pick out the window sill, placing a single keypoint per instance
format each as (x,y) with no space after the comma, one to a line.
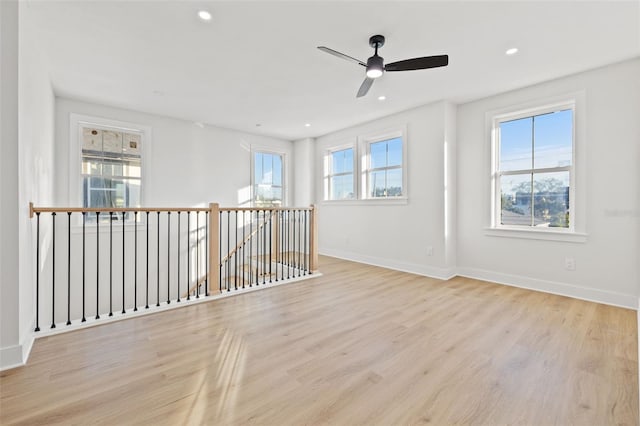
(399,201)
(537,234)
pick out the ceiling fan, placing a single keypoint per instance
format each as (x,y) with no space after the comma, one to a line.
(375,65)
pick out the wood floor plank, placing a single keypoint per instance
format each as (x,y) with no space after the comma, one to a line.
(358,345)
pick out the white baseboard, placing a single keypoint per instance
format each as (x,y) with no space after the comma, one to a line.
(413,268)
(17,355)
(562,289)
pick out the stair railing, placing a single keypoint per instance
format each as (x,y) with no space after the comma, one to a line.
(93,263)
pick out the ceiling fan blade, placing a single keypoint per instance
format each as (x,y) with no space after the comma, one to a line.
(364,87)
(418,63)
(341,55)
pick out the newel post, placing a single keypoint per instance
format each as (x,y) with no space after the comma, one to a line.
(313,239)
(214,246)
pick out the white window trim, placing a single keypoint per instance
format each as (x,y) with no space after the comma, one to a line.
(75,157)
(285,166)
(328,168)
(577,196)
(364,142)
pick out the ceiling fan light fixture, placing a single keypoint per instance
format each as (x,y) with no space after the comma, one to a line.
(375,66)
(374,73)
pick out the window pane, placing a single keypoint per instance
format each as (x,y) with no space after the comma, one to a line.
(268,194)
(92,139)
(515,195)
(342,161)
(551,199)
(395,152)
(378,153)
(91,166)
(263,193)
(553,139)
(342,187)
(277,170)
(348,160)
(257,167)
(131,144)
(112,142)
(276,191)
(112,168)
(515,144)
(133,192)
(377,183)
(268,176)
(394,183)
(131,169)
(267,169)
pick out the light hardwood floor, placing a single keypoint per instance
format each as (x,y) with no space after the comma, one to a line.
(359,345)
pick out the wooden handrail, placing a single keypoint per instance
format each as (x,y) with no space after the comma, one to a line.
(33,210)
(240,244)
(240,209)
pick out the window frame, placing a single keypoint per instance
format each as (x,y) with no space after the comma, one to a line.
(577,191)
(270,151)
(364,143)
(328,172)
(88,177)
(76,124)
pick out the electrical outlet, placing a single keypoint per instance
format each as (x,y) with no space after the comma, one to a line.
(429,251)
(569,264)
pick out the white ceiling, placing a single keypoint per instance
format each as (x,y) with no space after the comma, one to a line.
(257,62)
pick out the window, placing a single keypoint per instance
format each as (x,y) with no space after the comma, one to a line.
(383,174)
(339,177)
(368,170)
(111,168)
(534,168)
(267,179)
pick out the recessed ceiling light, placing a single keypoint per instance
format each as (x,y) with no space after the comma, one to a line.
(204,15)
(258,124)
(307,125)
(511,51)
(382,98)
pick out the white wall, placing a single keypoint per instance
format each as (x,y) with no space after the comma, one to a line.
(31,179)
(36,109)
(303,172)
(10,351)
(607,264)
(391,234)
(184,165)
